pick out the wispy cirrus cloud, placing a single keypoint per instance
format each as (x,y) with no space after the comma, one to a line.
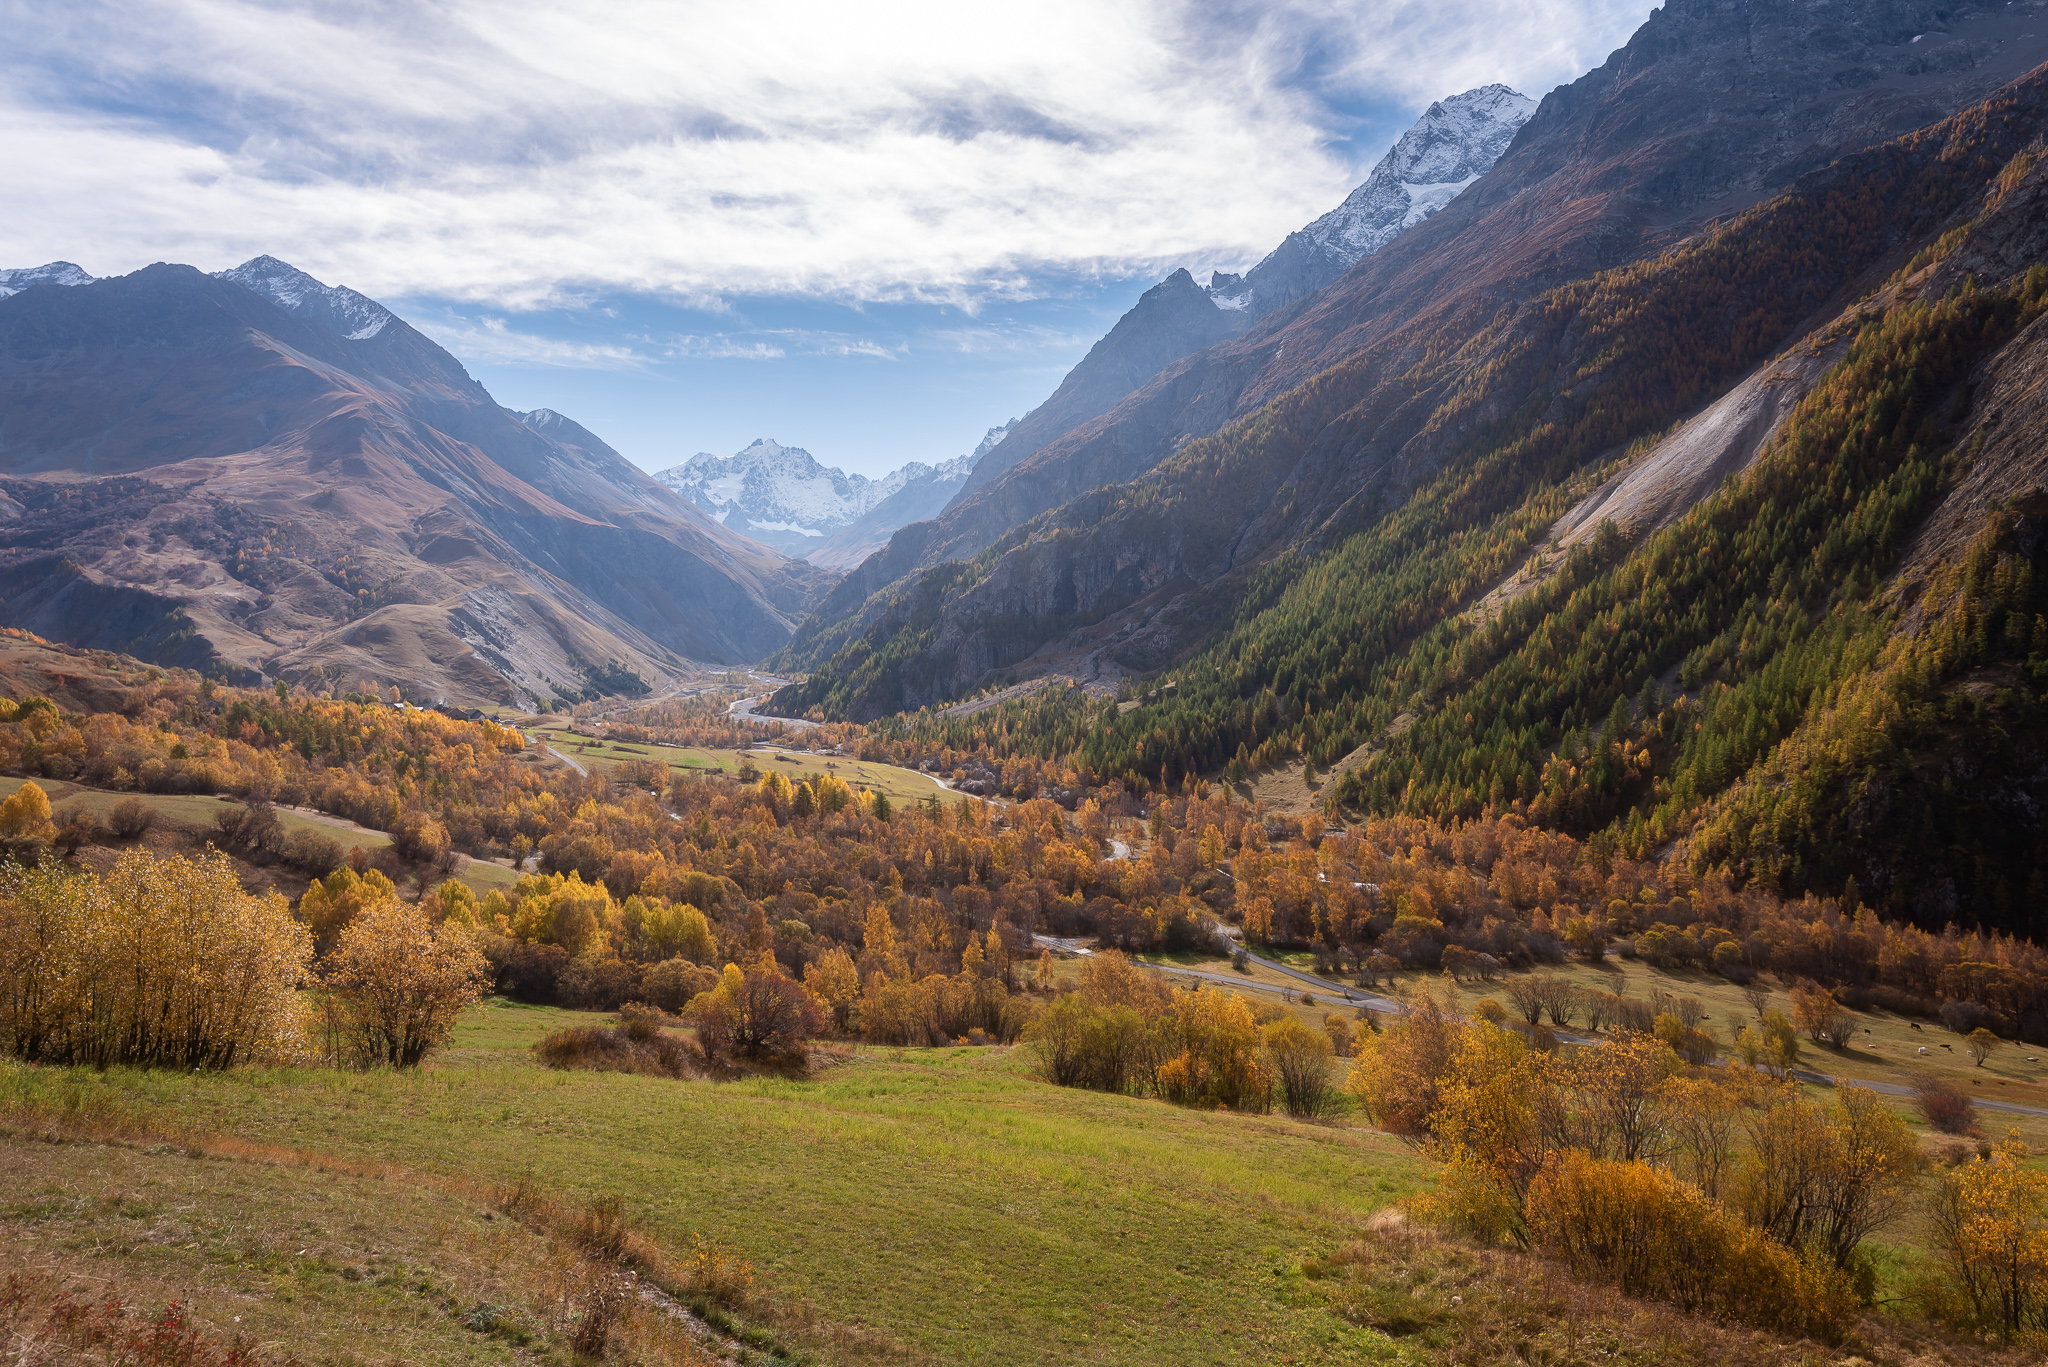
(775,343)
(495,340)
(525,154)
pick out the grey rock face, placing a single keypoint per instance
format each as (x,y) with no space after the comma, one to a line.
(1455,142)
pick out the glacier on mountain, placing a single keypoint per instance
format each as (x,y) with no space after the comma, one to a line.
(782,496)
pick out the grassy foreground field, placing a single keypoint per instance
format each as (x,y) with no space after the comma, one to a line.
(927,1205)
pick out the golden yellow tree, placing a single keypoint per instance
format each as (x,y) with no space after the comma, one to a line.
(1822,1180)
(834,981)
(1301,1066)
(1615,1097)
(25,815)
(164,962)
(332,902)
(1398,1081)
(1703,1114)
(401,983)
(879,950)
(1495,1125)
(454,901)
(678,930)
(1990,1222)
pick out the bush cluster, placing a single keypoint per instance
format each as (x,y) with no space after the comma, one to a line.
(162,962)
(1719,1190)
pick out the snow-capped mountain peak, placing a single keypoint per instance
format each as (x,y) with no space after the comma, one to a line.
(781,495)
(55,273)
(549,423)
(340,310)
(1456,141)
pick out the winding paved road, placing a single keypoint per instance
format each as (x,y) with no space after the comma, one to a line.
(1350,995)
(562,757)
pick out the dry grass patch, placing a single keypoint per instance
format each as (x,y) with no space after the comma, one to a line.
(1444,1301)
(129,1245)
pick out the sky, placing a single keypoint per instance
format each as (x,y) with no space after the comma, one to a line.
(869,230)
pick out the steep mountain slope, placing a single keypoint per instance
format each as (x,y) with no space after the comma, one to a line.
(1172,319)
(259,472)
(1454,142)
(1343,403)
(782,497)
(1766,678)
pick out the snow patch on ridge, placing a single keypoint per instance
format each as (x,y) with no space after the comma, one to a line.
(338,309)
(1453,144)
(55,273)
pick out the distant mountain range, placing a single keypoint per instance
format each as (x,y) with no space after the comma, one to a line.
(257,472)
(782,497)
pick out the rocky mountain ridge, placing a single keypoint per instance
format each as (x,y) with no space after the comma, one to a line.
(255,472)
(783,497)
(1322,420)
(55,273)
(1454,142)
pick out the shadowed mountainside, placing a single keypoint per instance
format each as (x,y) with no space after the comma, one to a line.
(1332,409)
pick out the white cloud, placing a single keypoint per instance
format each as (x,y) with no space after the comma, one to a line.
(1009,337)
(775,343)
(493,340)
(720,349)
(525,153)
